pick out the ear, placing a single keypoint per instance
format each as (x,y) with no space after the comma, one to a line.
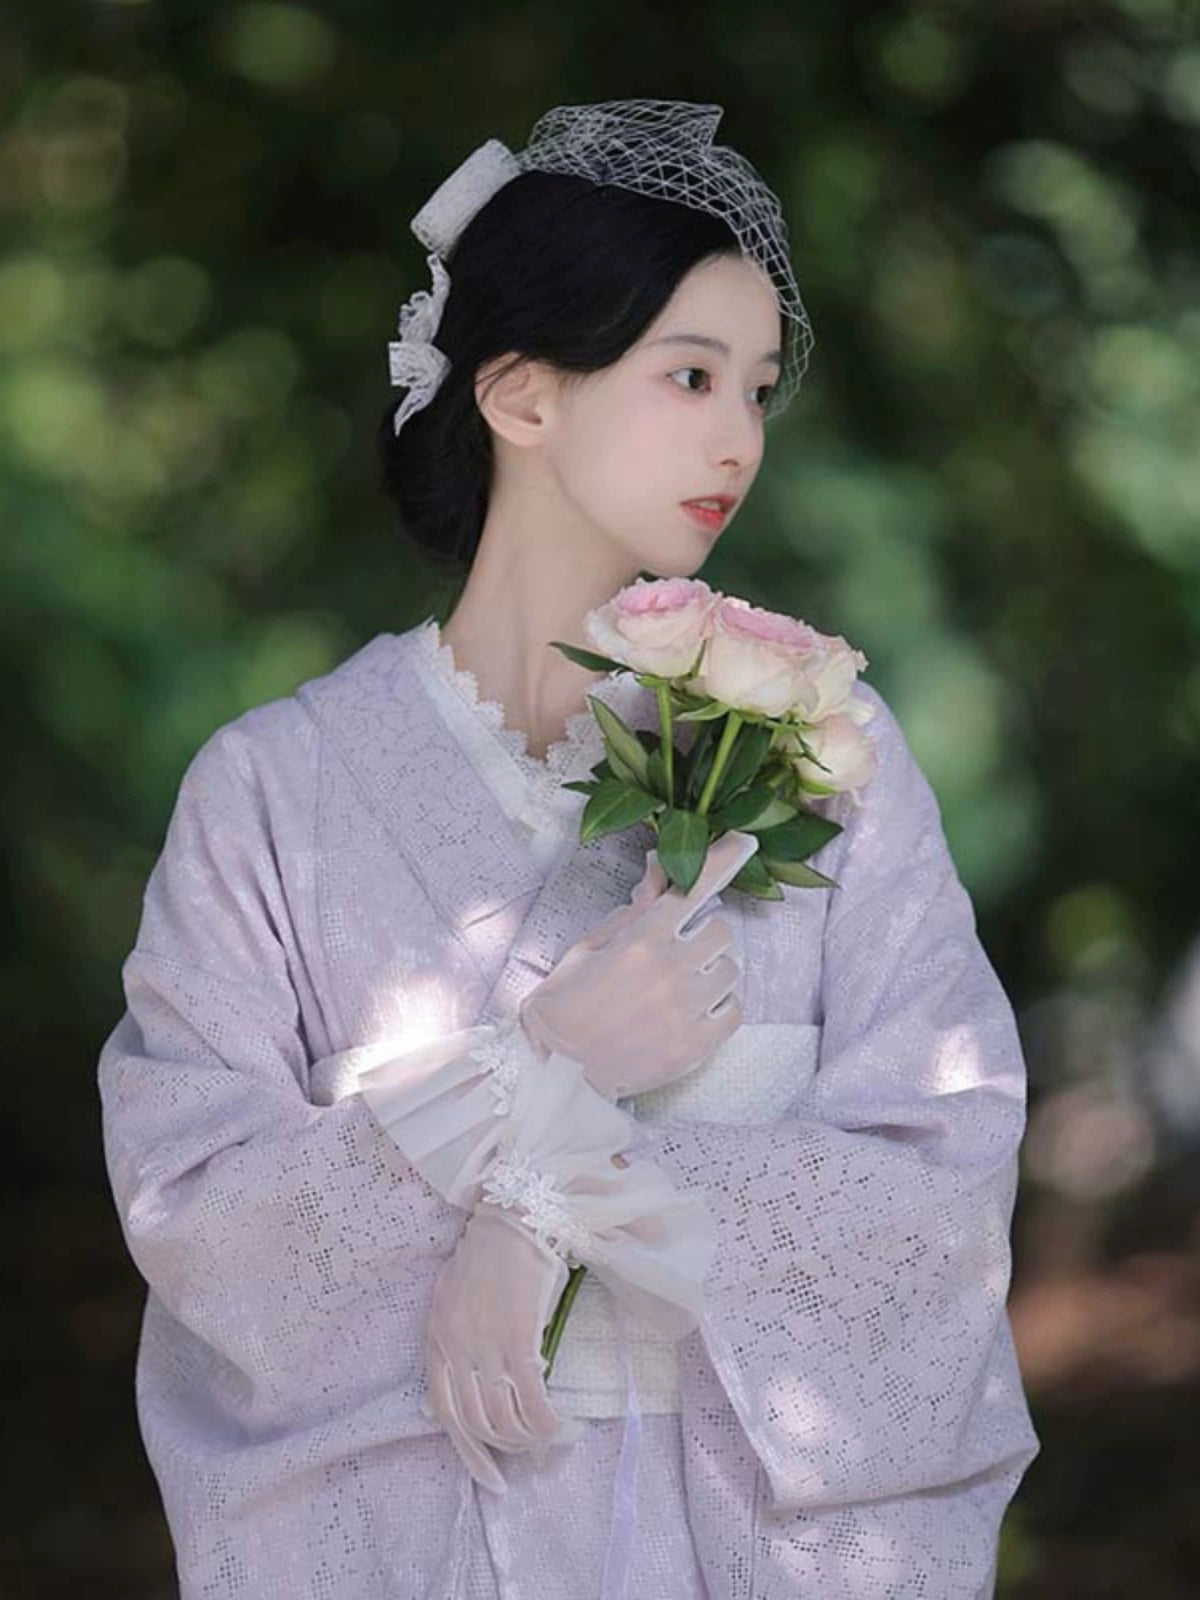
(516,396)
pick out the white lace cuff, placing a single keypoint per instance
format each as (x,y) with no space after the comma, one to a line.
(481,1116)
(446,1103)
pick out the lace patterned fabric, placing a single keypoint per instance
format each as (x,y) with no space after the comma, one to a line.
(513,1183)
(851,1420)
(495,1058)
(529,786)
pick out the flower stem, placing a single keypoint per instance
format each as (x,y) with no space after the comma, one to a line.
(729,733)
(668,747)
(558,1322)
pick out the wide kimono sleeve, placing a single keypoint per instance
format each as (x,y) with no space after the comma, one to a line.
(283,1227)
(277,1232)
(856,1306)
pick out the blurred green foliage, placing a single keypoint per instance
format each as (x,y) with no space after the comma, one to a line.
(990,480)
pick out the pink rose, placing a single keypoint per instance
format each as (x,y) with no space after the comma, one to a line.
(839,744)
(765,662)
(654,625)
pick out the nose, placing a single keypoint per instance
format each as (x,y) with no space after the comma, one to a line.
(737,442)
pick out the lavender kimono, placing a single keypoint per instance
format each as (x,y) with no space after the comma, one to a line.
(375,859)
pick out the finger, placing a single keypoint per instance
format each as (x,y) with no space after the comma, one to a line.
(503,1430)
(716,985)
(445,1403)
(653,881)
(725,859)
(728,1012)
(648,889)
(711,939)
(612,924)
(472,1406)
(540,1417)
(513,1430)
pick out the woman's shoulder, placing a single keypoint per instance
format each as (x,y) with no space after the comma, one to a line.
(895,816)
(273,748)
(896,766)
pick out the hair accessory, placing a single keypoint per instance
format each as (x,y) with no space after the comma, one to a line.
(414,360)
(660,148)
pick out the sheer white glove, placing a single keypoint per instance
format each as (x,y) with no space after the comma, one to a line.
(482,1116)
(637,1002)
(483,1341)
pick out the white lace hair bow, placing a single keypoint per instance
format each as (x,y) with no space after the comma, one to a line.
(415,361)
(662,148)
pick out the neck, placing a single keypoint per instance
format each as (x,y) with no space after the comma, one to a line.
(528,585)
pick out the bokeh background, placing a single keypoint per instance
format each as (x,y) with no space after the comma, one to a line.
(990,482)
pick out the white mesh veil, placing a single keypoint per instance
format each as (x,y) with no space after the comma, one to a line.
(660,148)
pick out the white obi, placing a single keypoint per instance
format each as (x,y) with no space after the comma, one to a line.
(758,1075)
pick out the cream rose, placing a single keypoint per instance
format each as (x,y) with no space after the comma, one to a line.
(654,625)
(839,743)
(831,677)
(762,661)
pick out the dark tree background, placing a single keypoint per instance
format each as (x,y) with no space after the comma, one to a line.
(990,482)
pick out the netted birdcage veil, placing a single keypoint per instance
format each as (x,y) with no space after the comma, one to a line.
(665,149)
(660,148)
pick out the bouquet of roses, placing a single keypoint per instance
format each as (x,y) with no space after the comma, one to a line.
(777,723)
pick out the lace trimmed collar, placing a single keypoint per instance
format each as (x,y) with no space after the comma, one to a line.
(569,757)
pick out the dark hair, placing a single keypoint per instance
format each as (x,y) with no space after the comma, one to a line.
(552,267)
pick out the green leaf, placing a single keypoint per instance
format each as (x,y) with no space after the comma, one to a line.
(621,742)
(623,771)
(588,658)
(756,880)
(796,872)
(581,786)
(613,806)
(801,837)
(682,846)
(657,775)
(602,769)
(699,762)
(706,712)
(749,749)
(756,807)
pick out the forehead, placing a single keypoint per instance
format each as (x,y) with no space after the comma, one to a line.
(730,300)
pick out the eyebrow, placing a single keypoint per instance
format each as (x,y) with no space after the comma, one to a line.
(712,344)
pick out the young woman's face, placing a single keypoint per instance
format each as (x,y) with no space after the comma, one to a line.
(674,419)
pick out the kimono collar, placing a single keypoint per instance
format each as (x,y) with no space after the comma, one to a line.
(376,712)
(529,786)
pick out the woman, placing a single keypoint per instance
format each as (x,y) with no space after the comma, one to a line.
(380,992)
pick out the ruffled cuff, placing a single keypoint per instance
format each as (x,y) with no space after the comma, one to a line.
(445,1103)
(481,1115)
(649,1243)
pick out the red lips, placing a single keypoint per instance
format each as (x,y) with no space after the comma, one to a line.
(725,501)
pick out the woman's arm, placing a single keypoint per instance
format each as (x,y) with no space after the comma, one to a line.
(483,1115)
(282,1232)
(856,1305)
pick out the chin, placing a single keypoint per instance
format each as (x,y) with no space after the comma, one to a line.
(684,561)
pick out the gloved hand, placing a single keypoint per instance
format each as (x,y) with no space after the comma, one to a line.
(638,1002)
(483,1343)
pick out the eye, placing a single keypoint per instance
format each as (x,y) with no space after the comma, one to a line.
(703,370)
(766,390)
